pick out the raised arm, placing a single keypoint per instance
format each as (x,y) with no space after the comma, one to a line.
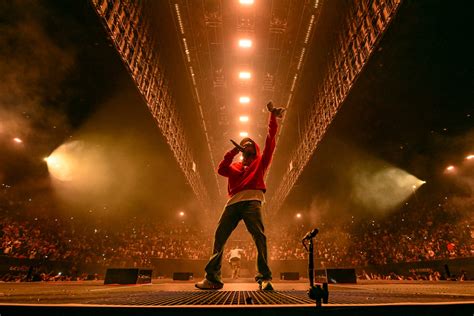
(270,141)
(272,130)
(224,168)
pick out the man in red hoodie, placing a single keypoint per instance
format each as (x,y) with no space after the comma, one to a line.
(246,188)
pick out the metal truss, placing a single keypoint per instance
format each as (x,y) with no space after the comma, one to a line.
(283,72)
(200,66)
(128,25)
(364,25)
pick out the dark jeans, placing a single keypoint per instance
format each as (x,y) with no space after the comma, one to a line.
(250,212)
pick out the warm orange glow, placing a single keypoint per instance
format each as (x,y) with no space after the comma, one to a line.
(244,134)
(450,168)
(470,157)
(245,43)
(298,215)
(244,118)
(244,99)
(244,75)
(246,2)
(17,140)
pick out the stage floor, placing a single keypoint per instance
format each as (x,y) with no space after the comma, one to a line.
(242,293)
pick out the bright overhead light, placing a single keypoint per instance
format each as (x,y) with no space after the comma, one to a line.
(298,215)
(450,168)
(246,2)
(244,134)
(244,99)
(245,43)
(244,118)
(244,75)
(470,157)
(17,140)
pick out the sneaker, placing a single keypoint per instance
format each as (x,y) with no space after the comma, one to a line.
(266,285)
(208,285)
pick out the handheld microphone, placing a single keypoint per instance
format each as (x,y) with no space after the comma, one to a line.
(310,234)
(240,148)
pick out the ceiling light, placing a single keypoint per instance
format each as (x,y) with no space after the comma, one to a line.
(245,43)
(246,2)
(244,75)
(244,134)
(244,99)
(244,118)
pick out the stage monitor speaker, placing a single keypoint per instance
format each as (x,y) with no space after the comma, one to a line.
(289,275)
(182,276)
(341,276)
(127,276)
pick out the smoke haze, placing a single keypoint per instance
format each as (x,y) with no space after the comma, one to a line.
(61,93)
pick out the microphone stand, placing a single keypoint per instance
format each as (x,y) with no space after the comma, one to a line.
(315,292)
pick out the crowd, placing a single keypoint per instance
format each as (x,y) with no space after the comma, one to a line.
(396,239)
(134,243)
(404,236)
(414,236)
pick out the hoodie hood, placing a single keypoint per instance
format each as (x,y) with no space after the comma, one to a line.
(257,148)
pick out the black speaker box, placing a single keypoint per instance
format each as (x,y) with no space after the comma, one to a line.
(182,276)
(127,276)
(289,275)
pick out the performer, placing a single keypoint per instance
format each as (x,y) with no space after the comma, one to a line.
(246,188)
(235,255)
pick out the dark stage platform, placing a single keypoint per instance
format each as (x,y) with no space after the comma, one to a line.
(175,297)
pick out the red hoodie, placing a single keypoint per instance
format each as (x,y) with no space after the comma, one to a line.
(250,178)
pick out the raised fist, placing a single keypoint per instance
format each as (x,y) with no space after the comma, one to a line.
(270,106)
(277,111)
